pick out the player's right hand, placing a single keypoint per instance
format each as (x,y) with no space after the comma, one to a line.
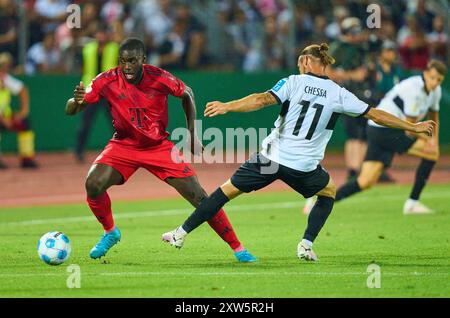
(425,127)
(215,108)
(79,93)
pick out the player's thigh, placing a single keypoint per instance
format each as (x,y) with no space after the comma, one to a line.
(255,174)
(370,173)
(306,183)
(420,149)
(329,190)
(100,177)
(189,188)
(230,190)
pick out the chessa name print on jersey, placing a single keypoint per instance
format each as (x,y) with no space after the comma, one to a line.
(315,91)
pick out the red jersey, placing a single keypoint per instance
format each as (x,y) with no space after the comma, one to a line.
(139,111)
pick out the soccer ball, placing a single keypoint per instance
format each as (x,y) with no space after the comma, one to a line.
(54,248)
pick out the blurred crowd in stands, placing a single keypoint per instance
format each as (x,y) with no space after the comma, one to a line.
(248,35)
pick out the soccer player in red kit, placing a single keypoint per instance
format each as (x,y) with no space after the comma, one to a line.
(137,94)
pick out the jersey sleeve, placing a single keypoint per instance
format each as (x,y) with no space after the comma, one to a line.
(281,90)
(13,84)
(352,105)
(174,86)
(437,99)
(93,91)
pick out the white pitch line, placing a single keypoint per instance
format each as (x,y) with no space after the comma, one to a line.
(187,211)
(298,274)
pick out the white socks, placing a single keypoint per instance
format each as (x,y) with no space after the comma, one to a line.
(307,243)
(180,231)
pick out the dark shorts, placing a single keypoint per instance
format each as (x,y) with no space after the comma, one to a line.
(384,143)
(257,173)
(355,127)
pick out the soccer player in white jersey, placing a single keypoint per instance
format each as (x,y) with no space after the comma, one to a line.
(412,99)
(311,103)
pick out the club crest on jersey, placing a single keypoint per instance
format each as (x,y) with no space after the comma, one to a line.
(279,85)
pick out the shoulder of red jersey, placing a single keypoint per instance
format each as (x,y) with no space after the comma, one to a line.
(158,72)
(107,76)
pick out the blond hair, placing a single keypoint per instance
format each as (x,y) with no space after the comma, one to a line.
(439,66)
(319,52)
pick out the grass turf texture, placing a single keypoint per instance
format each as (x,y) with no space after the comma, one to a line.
(412,251)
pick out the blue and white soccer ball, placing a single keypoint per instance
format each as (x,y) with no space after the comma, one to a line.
(54,248)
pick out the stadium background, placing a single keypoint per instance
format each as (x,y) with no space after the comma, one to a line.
(246,45)
(223,49)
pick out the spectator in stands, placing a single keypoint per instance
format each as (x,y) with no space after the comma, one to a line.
(303,25)
(424,16)
(333,29)
(99,55)
(169,54)
(156,28)
(273,48)
(90,20)
(112,10)
(350,70)
(245,41)
(8,26)
(51,13)
(319,34)
(44,57)
(413,44)
(438,39)
(16,121)
(194,38)
(388,72)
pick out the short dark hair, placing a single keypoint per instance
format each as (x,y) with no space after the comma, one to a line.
(439,66)
(131,44)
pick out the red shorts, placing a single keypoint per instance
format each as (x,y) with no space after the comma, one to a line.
(163,160)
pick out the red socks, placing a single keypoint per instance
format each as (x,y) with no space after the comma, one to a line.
(101,207)
(222,226)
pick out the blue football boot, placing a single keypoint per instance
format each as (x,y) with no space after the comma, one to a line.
(245,257)
(107,241)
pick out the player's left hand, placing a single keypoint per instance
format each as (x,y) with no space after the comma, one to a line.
(215,108)
(425,127)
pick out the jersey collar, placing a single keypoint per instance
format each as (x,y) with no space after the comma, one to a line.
(424,85)
(319,76)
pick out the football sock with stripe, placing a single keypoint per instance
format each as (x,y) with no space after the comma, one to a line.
(317,217)
(222,226)
(101,207)
(422,174)
(206,210)
(347,190)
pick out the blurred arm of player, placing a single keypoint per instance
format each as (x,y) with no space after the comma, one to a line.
(77,103)
(249,103)
(339,75)
(385,119)
(188,102)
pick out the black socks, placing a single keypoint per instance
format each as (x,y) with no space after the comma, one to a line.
(318,216)
(347,190)
(422,174)
(206,210)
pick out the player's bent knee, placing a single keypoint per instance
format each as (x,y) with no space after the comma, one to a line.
(366,183)
(94,187)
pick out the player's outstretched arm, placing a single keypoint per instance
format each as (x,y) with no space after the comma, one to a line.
(188,102)
(76,104)
(385,119)
(249,103)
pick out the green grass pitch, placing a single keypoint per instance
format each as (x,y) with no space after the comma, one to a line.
(413,252)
